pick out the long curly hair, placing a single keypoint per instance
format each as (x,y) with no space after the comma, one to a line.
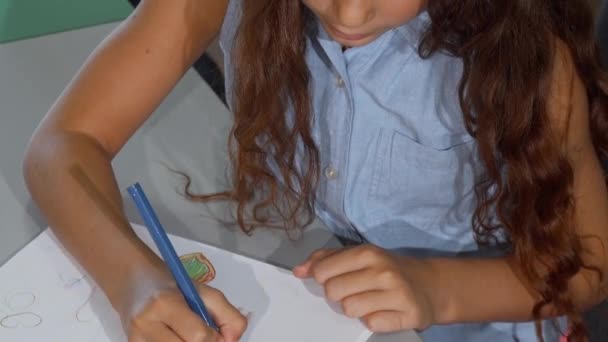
(508,48)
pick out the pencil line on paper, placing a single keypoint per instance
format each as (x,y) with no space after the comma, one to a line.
(82,306)
(13,301)
(22,319)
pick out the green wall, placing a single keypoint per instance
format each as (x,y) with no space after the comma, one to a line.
(20,19)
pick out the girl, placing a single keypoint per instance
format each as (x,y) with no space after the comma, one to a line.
(456,145)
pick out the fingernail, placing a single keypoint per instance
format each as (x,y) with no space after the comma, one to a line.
(298,270)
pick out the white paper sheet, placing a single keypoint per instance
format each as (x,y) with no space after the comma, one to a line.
(45,296)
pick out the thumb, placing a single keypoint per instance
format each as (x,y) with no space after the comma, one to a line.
(229,334)
(230,321)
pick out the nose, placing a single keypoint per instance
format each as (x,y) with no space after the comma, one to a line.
(354,13)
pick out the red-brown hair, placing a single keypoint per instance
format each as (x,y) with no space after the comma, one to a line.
(508,48)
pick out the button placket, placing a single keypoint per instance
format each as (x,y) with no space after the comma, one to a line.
(339,81)
(335,170)
(332,168)
(330,172)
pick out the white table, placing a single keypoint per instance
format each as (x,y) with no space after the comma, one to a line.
(187,132)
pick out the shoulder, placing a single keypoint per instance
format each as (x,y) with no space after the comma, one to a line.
(194,15)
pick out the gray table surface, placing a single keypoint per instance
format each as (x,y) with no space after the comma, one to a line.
(187,132)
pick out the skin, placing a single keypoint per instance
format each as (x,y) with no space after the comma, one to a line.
(366,18)
(389,292)
(72,149)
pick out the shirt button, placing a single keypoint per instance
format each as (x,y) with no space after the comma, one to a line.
(340,82)
(330,172)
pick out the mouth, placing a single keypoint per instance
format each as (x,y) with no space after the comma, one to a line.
(351,37)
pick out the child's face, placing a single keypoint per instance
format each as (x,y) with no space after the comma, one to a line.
(358,22)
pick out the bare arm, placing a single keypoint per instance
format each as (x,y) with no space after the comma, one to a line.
(482,290)
(67,166)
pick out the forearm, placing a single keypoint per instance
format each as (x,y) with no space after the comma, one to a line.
(484,290)
(70,178)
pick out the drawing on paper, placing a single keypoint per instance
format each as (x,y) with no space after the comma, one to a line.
(82,313)
(21,320)
(21,317)
(78,314)
(199,268)
(71,282)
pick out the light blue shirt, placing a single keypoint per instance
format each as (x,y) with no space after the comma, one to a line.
(398,166)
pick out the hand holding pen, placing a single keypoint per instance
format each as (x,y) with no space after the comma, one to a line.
(173,307)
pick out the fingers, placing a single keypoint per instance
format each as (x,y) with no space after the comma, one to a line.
(185,323)
(370,284)
(348,284)
(159,332)
(386,311)
(387,321)
(304,269)
(229,319)
(153,332)
(331,264)
(365,303)
(167,317)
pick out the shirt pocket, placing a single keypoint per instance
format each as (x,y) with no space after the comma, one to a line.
(421,185)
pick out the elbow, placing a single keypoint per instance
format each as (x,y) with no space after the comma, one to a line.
(597,297)
(602,291)
(590,288)
(44,150)
(52,150)
(31,159)
(598,279)
(35,159)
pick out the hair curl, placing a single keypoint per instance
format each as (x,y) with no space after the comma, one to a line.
(508,49)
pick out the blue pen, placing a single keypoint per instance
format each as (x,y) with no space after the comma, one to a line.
(184,283)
